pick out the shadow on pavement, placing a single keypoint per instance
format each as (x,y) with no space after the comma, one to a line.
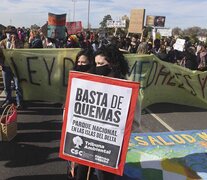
(169,107)
(38,137)
(36,144)
(39,177)
(22,154)
(45,125)
(41,108)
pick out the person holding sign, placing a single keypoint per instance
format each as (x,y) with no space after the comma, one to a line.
(83,63)
(98,117)
(110,62)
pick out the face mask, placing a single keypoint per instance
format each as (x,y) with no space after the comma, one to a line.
(103,70)
(82,68)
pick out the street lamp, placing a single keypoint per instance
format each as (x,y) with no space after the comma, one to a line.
(88,14)
(74,1)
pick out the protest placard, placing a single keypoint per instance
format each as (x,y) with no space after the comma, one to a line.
(74,27)
(116,23)
(167,32)
(156,21)
(150,20)
(98,116)
(136,20)
(56,25)
(179,44)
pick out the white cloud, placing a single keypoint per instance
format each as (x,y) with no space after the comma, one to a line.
(181,13)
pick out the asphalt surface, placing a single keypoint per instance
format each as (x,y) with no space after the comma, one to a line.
(176,117)
(33,153)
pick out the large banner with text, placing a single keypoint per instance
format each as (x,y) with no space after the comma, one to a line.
(97,110)
(179,155)
(43,75)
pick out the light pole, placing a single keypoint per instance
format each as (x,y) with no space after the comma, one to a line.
(88,14)
(74,1)
(69,16)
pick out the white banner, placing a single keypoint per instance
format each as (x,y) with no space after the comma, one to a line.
(96,121)
(116,24)
(165,32)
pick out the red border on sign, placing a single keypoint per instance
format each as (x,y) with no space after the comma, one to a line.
(106,80)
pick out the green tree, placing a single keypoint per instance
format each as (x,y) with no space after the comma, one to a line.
(103,23)
(177,31)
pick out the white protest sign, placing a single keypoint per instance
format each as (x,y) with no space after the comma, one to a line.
(94,129)
(116,23)
(98,113)
(179,44)
(165,32)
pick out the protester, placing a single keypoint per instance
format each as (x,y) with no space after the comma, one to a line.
(142,48)
(35,39)
(72,42)
(190,58)
(162,53)
(110,62)
(134,44)
(202,58)
(84,60)
(11,42)
(84,63)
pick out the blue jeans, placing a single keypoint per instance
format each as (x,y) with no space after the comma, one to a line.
(8,76)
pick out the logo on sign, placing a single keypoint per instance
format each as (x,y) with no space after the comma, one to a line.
(77,142)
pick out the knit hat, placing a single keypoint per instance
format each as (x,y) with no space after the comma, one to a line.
(73,38)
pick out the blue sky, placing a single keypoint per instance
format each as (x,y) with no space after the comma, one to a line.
(179,13)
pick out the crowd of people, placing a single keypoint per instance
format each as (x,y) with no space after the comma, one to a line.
(193,56)
(101,55)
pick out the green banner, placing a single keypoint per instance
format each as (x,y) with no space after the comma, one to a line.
(43,75)
(179,155)
(166,82)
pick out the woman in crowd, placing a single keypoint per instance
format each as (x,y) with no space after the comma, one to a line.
(83,63)
(110,62)
(35,39)
(84,60)
(134,44)
(142,48)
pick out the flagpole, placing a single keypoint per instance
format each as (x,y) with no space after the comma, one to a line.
(74,1)
(88,14)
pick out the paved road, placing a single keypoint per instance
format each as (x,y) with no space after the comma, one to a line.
(173,117)
(33,154)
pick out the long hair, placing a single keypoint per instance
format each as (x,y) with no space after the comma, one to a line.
(86,52)
(115,58)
